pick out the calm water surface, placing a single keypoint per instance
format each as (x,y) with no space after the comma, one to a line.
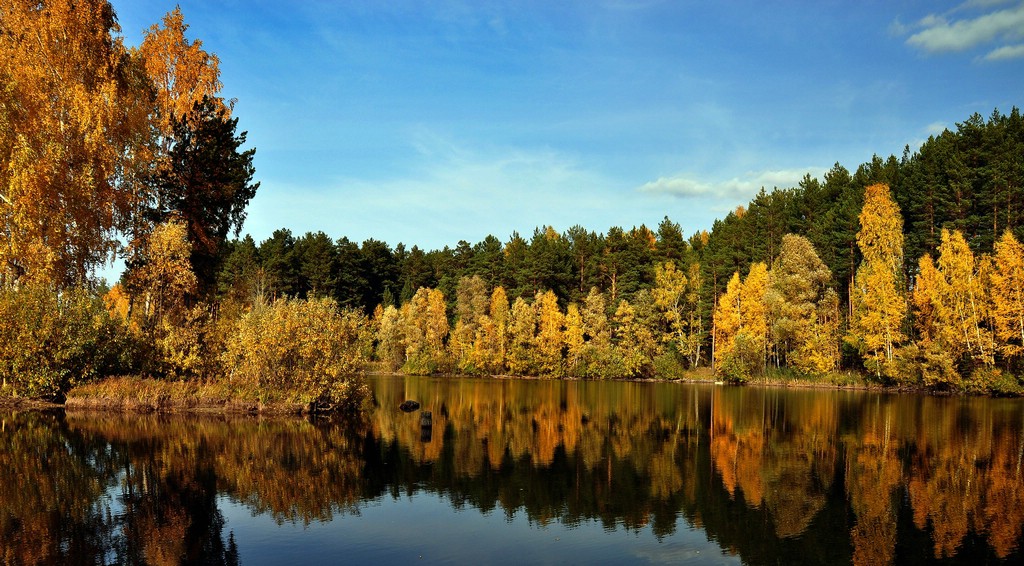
(527,472)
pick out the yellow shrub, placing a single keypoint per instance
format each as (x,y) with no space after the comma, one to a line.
(51,341)
(308,349)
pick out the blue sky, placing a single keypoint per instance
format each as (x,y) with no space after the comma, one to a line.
(433,122)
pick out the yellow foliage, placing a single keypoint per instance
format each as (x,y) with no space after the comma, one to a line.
(117,302)
(818,352)
(73,138)
(741,323)
(965,298)
(573,339)
(1008,295)
(309,349)
(754,313)
(390,346)
(799,282)
(181,71)
(522,329)
(879,307)
(727,319)
(52,340)
(549,340)
(472,299)
(491,340)
(424,323)
(162,276)
(880,238)
(635,343)
(184,346)
(930,311)
(669,293)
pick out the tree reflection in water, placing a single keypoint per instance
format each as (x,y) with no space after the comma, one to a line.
(770,475)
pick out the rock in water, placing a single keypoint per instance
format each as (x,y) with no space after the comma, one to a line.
(409,406)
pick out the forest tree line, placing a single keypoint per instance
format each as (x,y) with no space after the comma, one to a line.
(903,270)
(792,280)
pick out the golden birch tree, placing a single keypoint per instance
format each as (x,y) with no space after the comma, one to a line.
(573,338)
(754,317)
(471,301)
(879,305)
(669,295)
(73,138)
(548,341)
(424,323)
(694,343)
(801,320)
(390,340)
(522,331)
(965,299)
(1008,295)
(164,276)
(597,351)
(819,352)
(933,322)
(727,319)
(635,344)
(492,338)
(931,314)
(742,324)
(182,73)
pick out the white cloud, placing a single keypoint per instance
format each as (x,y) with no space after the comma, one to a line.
(898,28)
(1006,52)
(737,188)
(935,128)
(680,186)
(938,34)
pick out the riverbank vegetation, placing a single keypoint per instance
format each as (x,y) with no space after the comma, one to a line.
(907,272)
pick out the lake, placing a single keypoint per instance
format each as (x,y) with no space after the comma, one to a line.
(527,471)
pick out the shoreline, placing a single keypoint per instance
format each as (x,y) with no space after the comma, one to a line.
(147,395)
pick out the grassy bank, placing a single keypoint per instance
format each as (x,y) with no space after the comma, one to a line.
(132,394)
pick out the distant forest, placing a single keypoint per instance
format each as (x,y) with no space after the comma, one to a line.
(968,181)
